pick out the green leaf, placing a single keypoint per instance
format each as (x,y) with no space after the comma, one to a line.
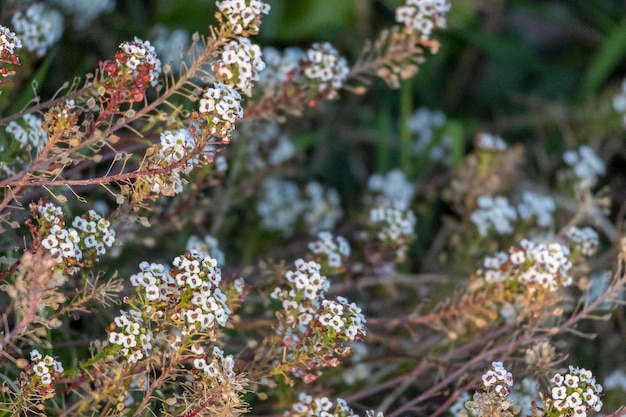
(611,53)
(10,383)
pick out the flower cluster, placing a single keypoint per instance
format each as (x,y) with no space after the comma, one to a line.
(390,222)
(29,133)
(242,17)
(532,264)
(308,406)
(574,393)
(423,15)
(424,123)
(498,379)
(526,396)
(240,65)
(207,245)
(586,165)
(281,205)
(39,27)
(134,337)
(136,68)
(281,68)
(342,319)
(584,240)
(302,300)
(494,213)
(85,11)
(489,142)
(325,70)
(393,188)
(393,227)
(312,322)
(322,208)
(46,369)
(334,250)
(267,146)
(220,108)
(30,136)
(537,206)
(9,42)
(191,287)
(174,147)
(140,57)
(220,369)
(76,246)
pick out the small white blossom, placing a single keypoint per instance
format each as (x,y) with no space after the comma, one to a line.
(39,27)
(28,132)
(392,186)
(208,245)
(280,205)
(532,264)
(322,208)
(494,214)
(424,123)
(325,69)
(280,68)
(334,249)
(586,165)
(221,108)
(137,54)
(85,11)
(498,379)
(488,142)
(423,15)
(538,207)
(585,240)
(240,65)
(243,16)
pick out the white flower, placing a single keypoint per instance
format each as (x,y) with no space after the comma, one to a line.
(139,53)
(40,369)
(325,69)
(392,186)
(587,166)
(494,214)
(423,15)
(46,379)
(38,27)
(280,205)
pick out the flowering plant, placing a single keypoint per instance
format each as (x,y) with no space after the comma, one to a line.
(180,238)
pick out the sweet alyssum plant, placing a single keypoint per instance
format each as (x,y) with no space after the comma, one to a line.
(140,144)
